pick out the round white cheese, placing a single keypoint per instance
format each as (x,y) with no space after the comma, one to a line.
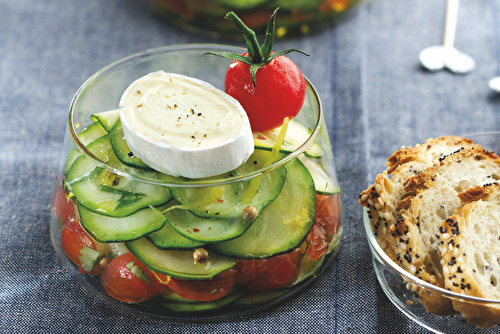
(184,126)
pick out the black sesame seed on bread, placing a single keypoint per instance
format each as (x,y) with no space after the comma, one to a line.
(470,251)
(436,198)
(423,186)
(412,257)
(383,198)
(409,161)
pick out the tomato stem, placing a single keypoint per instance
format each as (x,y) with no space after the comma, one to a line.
(250,38)
(257,56)
(267,47)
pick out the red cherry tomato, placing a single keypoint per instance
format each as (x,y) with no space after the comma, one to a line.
(204,290)
(279,91)
(73,239)
(129,280)
(325,226)
(65,208)
(271,273)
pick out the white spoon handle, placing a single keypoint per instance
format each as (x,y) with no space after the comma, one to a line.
(451,23)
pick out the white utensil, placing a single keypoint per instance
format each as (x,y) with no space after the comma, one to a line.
(494,84)
(446,56)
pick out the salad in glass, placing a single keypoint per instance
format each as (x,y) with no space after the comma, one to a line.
(224,226)
(297,17)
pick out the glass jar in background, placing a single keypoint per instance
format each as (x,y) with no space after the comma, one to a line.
(296,17)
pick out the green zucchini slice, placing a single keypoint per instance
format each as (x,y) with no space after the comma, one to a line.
(229,200)
(178,263)
(283,225)
(113,229)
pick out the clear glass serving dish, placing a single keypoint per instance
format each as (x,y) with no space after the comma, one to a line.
(298,240)
(296,17)
(401,287)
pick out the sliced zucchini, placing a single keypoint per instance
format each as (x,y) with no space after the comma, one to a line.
(283,225)
(102,149)
(168,238)
(91,133)
(81,168)
(104,192)
(256,161)
(177,263)
(323,183)
(296,135)
(112,229)
(180,304)
(70,159)
(111,195)
(107,118)
(229,200)
(309,268)
(121,149)
(87,136)
(206,230)
(116,249)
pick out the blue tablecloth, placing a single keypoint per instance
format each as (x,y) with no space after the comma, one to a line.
(375,95)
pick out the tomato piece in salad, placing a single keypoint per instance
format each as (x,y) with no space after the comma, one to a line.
(63,206)
(325,226)
(204,290)
(272,273)
(127,279)
(79,246)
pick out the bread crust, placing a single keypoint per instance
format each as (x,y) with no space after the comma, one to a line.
(410,256)
(401,194)
(382,199)
(437,189)
(381,205)
(426,179)
(431,150)
(468,271)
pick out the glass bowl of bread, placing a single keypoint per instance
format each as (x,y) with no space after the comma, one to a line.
(432,219)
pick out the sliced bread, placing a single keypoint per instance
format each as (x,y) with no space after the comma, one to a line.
(383,198)
(436,198)
(469,247)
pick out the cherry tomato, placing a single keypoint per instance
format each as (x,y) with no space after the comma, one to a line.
(271,273)
(325,225)
(279,91)
(73,239)
(129,280)
(267,84)
(65,208)
(204,290)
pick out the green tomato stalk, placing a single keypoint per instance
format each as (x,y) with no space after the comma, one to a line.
(257,55)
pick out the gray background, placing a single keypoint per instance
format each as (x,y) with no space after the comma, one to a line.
(376,98)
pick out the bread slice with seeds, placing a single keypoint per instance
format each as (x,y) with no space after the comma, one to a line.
(387,197)
(383,198)
(436,198)
(470,252)
(408,252)
(409,161)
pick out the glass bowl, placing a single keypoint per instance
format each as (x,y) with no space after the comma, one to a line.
(399,285)
(295,18)
(266,277)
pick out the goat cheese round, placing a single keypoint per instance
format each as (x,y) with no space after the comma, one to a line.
(184,126)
